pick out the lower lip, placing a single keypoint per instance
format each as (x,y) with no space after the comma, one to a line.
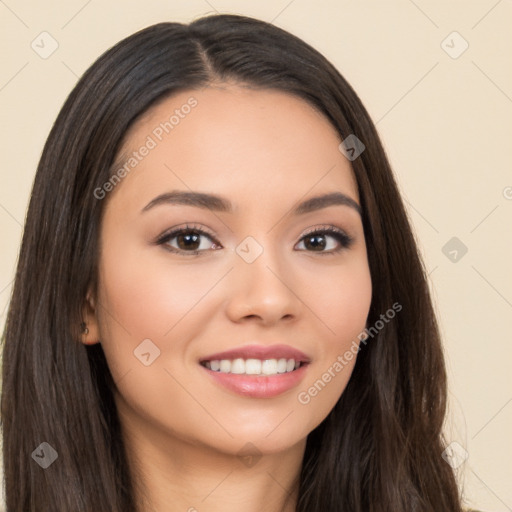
(259,387)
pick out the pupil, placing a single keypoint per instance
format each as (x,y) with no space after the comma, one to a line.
(316,245)
(188,238)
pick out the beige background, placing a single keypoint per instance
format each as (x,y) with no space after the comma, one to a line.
(445,120)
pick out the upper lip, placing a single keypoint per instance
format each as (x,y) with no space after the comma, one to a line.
(262,352)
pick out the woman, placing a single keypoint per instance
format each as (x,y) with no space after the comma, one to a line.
(219,303)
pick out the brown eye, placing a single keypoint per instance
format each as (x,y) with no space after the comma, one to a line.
(187,240)
(318,240)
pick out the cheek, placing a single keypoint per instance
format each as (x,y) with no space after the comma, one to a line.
(138,301)
(148,296)
(348,309)
(341,299)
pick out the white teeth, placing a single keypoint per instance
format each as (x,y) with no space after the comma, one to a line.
(237,366)
(225,366)
(253,366)
(269,367)
(281,366)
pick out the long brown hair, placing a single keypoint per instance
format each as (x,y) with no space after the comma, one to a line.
(380,447)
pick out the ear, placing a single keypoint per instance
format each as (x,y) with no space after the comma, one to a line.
(89,314)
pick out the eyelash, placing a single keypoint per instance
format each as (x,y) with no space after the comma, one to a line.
(343,239)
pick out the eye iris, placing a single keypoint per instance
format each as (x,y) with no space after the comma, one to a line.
(187,237)
(315,245)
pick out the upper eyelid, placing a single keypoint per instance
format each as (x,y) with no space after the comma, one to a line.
(176,230)
(173,232)
(323,228)
(206,231)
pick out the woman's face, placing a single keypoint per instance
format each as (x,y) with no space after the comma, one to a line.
(243,278)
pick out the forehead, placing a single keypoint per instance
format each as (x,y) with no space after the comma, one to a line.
(236,141)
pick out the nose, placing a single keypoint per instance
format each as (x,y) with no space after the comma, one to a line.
(264,290)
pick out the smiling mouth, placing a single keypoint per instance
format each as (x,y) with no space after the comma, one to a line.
(253,367)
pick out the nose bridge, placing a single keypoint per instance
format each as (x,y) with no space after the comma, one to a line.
(262,283)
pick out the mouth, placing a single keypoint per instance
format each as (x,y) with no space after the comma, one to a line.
(257,371)
(256,367)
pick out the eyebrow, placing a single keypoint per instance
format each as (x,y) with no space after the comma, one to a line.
(221,204)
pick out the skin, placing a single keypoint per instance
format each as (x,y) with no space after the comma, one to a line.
(266,151)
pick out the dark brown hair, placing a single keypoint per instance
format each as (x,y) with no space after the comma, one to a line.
(380,447)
